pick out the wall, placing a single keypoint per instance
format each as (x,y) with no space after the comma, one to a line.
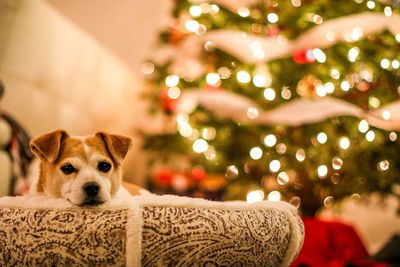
(57,76)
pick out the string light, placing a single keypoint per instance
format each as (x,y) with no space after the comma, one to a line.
(147,68)
(363,126)
(283,178)
(344,142)
(259,80)
(192,25)
(398,37)
(371,4)
(345,86)
(319,55)
(274,165)
(185,129)
(370,136)
(388,11)
(317,19)
(243,76)
(213,78)
(286,93)
(195,11)
(383,165)
(269,94)
(320,90)
(335,74)
(209,133)
(385,63)
(296,3)
(322,138)
(172,80)
(201,29)
(224,73)
(337,163)
(270,140)
(272,17)
(252,113)
(386,115)
(322,171)
(353,54)
(255,196)
(300,154)
(256,153)
(329,87)
(274,196)
(374,102)
(231,172)
(395,64)
(214,9)
(393,136)
(243,12)
(328,201)
(281,148)
(200,146)
(174,92)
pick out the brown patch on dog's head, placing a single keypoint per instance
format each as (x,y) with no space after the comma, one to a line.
(70,164)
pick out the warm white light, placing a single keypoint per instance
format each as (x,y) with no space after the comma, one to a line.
(201,29)
(395,64)
(398,37)
(383,165)
(256,153)
(243,12)
(269,94)
(296,3)
(147,68)
(300,154)
(252,113)
(209,133)
(319,55)
(322,138)
(317,19)
(191,25)
(274,196)
(214,9)
(367,75)
(255,196)
(200,146)
(281,148)
(195,11)
(213,78)
(388,11)
(356,34)
(185,129)
(224,73)
(174,92)
(344,142)
(370,136)
(320,90)
(270,140)
(259,80)
(243,76)
(329,87)
(337,163)
(272,17)
(353,54)
(363,126)
(371,4)
(393,136)
(286,93)
(345,85)
(335,74)
(274,165)
(385,63)
(328,201)
(231,172)
(283,178)
(374,102)
(322,171)
(386,115)
(172,80)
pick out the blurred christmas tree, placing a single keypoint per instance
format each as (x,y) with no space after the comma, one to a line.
(295,100)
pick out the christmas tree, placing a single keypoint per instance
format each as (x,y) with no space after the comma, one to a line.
(281,100)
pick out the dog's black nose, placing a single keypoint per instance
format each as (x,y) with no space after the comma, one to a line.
(91,189)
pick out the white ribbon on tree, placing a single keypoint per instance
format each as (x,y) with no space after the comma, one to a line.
(250,48)
(293,113)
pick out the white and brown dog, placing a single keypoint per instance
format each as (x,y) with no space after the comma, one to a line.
(84,170)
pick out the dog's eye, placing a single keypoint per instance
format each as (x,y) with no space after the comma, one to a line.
(68,169)
(104,166)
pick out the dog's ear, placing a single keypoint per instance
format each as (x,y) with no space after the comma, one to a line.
(48,146)
(117,145)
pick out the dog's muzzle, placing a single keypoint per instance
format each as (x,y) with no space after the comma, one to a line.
(91,190)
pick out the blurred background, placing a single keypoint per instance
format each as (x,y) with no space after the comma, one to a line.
(252,100)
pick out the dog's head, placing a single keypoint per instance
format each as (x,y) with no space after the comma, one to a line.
(84,170)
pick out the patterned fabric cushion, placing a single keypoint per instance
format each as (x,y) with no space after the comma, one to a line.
(147,231)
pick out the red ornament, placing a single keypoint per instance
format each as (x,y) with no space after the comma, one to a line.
(198,173)
(164,177)
(167,103)
(304,56)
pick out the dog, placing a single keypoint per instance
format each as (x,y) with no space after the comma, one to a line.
(84,170)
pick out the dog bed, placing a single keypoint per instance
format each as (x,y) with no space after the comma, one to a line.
(148,231)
